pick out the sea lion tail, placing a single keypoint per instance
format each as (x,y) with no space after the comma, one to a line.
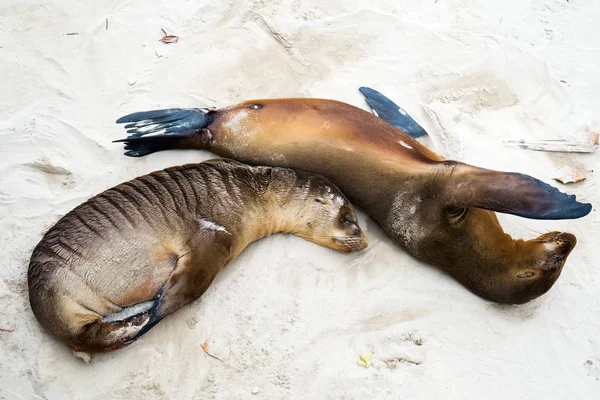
(172,128)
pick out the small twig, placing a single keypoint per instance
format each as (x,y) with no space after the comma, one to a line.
(107,23)
(72,33)
(10,328)
(553,145)
(205,348)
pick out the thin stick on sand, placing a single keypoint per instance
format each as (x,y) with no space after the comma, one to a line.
(561,146)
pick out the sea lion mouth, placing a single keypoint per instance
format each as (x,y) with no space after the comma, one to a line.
(558,246)
(525,275)
(351,243)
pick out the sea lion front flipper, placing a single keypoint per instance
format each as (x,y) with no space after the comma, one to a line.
(509,193)
(395,115)
(198,265)
(111,332)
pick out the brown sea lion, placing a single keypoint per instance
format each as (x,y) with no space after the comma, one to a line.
(441,211)
(117,264)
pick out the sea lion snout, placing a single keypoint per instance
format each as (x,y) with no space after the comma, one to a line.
(329,219)
(558,246)
(348,244)
(544,258)
(350,237)
(337,228)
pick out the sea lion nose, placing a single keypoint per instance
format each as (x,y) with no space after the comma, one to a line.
(558,246)
(559,243)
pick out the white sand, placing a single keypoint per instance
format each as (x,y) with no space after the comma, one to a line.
(288,317)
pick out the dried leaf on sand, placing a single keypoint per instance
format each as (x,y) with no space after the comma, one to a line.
(205,348)
(9,328)
(570,175)
(168,38)
(593,137)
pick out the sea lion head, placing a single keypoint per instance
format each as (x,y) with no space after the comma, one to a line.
(450,222)
(540,264)
(328,219)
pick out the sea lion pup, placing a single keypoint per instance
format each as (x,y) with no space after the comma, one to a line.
(441,211)
(117,264)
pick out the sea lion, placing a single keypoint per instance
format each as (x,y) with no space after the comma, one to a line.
(113,267)
(441,211)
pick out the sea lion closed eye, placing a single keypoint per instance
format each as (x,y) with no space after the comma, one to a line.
(113,267)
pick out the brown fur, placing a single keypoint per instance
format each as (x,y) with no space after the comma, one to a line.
(440,211)
(159,241)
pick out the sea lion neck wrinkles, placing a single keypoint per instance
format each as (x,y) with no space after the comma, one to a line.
(276,200)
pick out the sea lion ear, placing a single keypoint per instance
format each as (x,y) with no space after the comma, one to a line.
(510,193)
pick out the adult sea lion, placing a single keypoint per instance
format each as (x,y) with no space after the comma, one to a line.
(117,264)
(441,211)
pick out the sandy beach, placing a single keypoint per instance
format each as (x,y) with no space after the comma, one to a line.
(288,319)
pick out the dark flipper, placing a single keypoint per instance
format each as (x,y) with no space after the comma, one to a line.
(390,112)
(172,128)
(170,120)
(153,316)
(509,193)
(139,146)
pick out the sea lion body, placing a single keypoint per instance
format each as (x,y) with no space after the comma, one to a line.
(117,264)
(351,146)
(440,211)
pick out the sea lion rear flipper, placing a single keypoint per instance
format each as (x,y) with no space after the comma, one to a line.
(207,252)
(390,112)
(156,130)
(111,332)
(510,193)
(169,120)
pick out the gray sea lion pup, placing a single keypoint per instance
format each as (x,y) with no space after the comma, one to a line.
(117,264)
(441,211)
